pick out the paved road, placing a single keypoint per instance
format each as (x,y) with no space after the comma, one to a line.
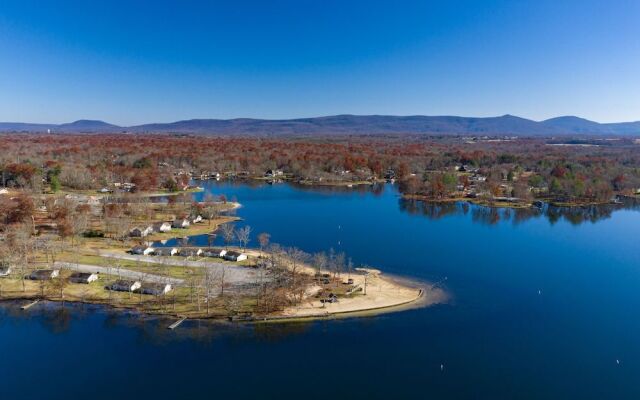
(124,273)
(233,274)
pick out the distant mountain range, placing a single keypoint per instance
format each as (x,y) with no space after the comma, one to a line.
(350,124)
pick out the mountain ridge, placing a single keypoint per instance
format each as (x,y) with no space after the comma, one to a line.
(349,124)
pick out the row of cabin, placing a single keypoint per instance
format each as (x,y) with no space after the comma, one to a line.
(49,274)
(161,227)
(121,285)
(228,255)
(124,285)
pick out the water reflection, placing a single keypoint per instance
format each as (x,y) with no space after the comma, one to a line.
(58,318)
(53,316)
(493,215)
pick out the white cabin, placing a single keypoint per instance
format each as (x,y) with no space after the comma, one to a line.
(123,285)
(156,289)
(83,277)
(162,227)
(181,223)
(234,256)
(142,250)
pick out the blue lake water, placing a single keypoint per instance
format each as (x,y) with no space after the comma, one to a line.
(544,305)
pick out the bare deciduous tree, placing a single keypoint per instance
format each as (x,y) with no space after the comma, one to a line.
(263,239)
(244,236)
(233,304)
(320,262)
(59,284)
(221,280)
(228,233)
(296,258)
(209,283)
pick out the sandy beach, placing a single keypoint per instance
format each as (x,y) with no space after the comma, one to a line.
(383,294)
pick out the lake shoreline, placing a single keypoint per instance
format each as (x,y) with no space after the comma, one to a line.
(424,296)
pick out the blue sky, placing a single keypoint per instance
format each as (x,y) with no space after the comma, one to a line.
(130,62)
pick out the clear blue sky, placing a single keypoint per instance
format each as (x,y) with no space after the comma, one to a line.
(129,62)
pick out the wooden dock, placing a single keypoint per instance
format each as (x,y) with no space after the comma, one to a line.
(176,324)
(27,306)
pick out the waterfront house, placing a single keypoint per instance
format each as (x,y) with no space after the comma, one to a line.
(141,232)
(273,173)
(181,223)
(165,251)
(5,270)
(234,256)
(162,227)
(155,289)
(44,274)
(123,285)
(83,277)
(190,252)
(142,250)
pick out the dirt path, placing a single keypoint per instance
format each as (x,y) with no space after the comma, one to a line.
(234,275)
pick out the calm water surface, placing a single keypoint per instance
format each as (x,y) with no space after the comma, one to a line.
(545,305)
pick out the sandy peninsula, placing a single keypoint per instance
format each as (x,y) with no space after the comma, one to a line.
(383,294)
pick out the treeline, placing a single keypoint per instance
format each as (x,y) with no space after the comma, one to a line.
(522,168)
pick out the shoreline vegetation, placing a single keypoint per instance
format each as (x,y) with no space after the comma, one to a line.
(385,295)
(271,284)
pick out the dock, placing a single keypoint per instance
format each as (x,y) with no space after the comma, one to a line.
(176,324)
(27,306)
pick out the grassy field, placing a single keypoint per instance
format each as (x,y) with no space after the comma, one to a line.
(182,301)
(201,228)
(180,272)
